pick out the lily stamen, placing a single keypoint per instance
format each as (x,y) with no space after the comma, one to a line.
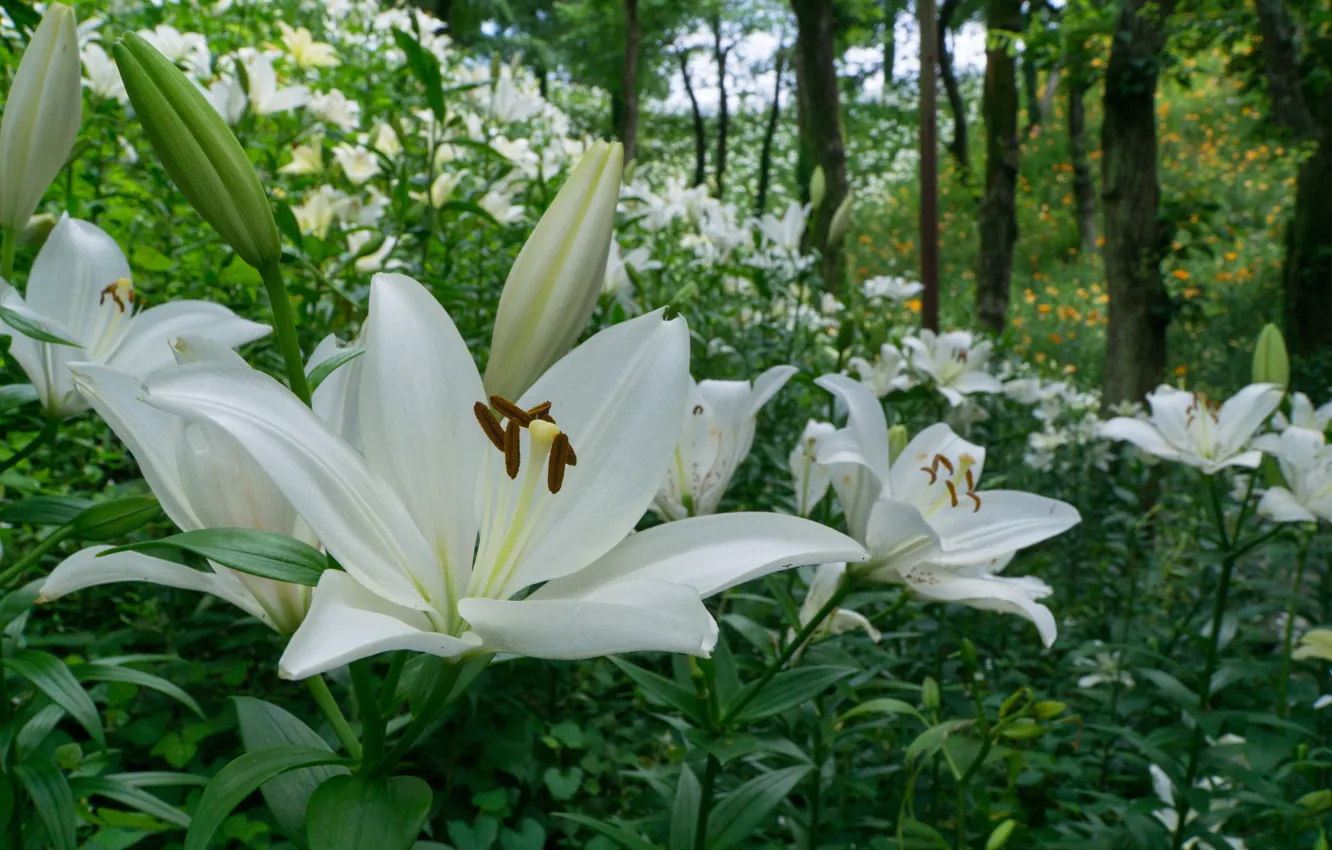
(511,411)
(117,289)
(489,424)
(512,455)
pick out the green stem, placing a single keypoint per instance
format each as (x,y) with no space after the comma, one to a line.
(816,793)
(435,702)
(1292,609)
(45,435)
(284,323)
(372,717)
(707,787)
(8,244)
(52,540)
(329,706)
(749,693)
(388,695)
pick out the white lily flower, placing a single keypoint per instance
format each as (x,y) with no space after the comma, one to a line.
(1190,429)
(954,362)
(376,259)
(441,189)
(321,208)
(718,432)
(617,283)
(809,478)
(1306,464)
(786,232)
(1168,816)
(891,288)
(79,290)
(1107,668)
(265,97)
(821,588)
(924,522)
(102,75)
(307,158)
(386,141)
(41,117)
(441,532)
(1315,643)
(885,375)
(334,108)
(304,50)
(357,163)
(203,479)
(187,49)
(501,207)
(509,103)
(227,96)
(1303,415)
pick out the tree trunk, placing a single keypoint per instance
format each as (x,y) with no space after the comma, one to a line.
(821,120)
(959,146)
(1030,85)
(889,43)
(627,125)
(1282,60)
(1051,89)
(998,211)
(700,133)
(1135,346)
(1084,185)
(769,134)
(1308,271)
(723,108)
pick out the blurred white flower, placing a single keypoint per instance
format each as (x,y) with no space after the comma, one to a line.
(441,189)
(266,98)
(386,141)
(1190,429)
(885,375)
(821,589)
(187,49)
(1303,415)
(357,163)
(510,103)
(1169,814)
(809,478)
(500,205)
(618,284)
(304,50)
(334,108)
(317,214)
(375,260)
(102,75)
(891,288)
(1306,464)
(1106,668)
(786,232)
(307,158)
(953,362)
(226,95)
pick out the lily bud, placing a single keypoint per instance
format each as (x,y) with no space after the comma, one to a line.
(818,187)
(1001,834)
(841,222)
(199,151)
(42,115)
(553,286)
(1271,364)
(898,437)
(929,694)
(39,227)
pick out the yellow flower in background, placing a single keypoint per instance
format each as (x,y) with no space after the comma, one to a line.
(304,50)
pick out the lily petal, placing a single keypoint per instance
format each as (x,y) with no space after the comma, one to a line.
(146,346)
(992,593)
(1280,505)
(1006,521)
(73,267)
(865,419)
(1244,413)
(1142,434)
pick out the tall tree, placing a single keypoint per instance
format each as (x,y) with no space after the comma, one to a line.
(770,133)
(820,119)
(1135,349)
(958,146)
(1084,185)
(998,211)
(700,132)
(719,54)
(626,127)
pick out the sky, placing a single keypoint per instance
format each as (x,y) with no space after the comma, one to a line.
(756,49)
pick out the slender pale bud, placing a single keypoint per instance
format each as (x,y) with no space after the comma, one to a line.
(39,227)
(42,115)
(553,286)
(818,187)
(199,151)
(841,222)
(1271,364)
(897,441)
(999,838)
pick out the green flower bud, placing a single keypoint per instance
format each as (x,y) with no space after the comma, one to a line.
(1047,709)
(929,694)
(39,227)
(841,222)
(1001,834)
(898,437)
(199,151)
(1271,364)
(968,648)
(818,187)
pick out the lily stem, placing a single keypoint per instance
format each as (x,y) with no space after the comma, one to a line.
(707,786)
(284,323)
(329,706)
(45,435)
(8,244)
(52,540)
(372,715)
(747,696)
(1292,610)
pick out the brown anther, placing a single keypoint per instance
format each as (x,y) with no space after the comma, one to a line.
(975,499)
(511,411)
(538,411)
(113,290)
(546,417)
(559,458)
(971,480)
(947,464)
(698,410)
(933,471)
(489,424)
(952,492)
(570,457)
(511,452)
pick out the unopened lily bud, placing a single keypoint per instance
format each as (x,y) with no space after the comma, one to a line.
(898,437)
(1001,834)
(929,694)
(841,222)
(1271,364)
(42,115)
(968,651)
(39,227)
(199,151)
(818,187)
(553,286)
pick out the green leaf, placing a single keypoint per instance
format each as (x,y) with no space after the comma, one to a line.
(242,777)
(618,834)
(425,67)
(130,795)
(116,517)
(19,601)
(725,746)
(885,705)
(51,797)
(16,395)
(99,672)
(562,784)
(662,690)
(928,742)
(1173,688)
(469,207)
(789,689)
(45,510)
(264,725)
(327,367)
(260,553)
(355,812)
(50,676)
(747,807)
(286,222)
(157,779)
(30,328)
(923,836)
(684,812)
